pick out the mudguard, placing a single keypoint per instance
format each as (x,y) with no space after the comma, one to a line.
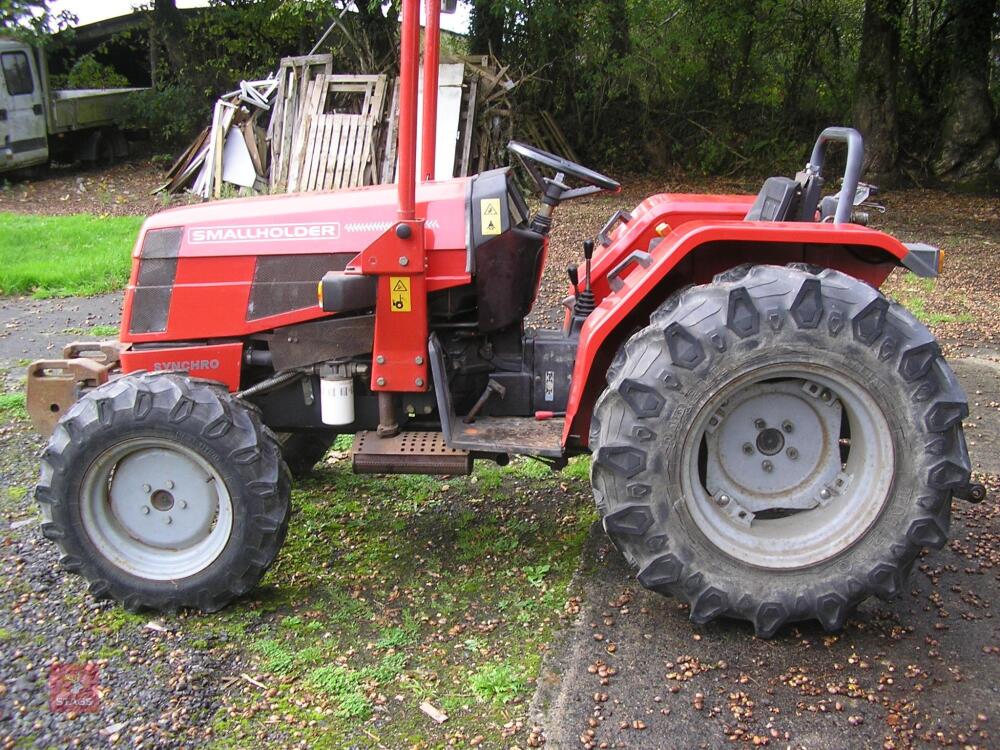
(629,282)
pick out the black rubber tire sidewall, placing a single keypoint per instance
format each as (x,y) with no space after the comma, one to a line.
(244,454)
(636,467)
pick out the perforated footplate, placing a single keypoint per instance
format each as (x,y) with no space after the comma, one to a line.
(408,453)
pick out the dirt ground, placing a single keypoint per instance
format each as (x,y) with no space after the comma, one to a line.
(628,669)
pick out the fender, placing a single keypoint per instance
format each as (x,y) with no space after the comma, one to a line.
(706,248)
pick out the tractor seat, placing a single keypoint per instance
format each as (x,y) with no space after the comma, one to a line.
(776,201)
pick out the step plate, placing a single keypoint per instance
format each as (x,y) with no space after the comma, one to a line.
(522,435)
(407,453)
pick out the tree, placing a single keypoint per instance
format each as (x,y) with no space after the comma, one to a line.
(31,20)
(167,32)
(875,104)
(486,27)
(969,143)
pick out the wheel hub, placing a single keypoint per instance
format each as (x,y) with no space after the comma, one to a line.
(768,479)
(770,441)
(172,513)
(156,509)
(766,467)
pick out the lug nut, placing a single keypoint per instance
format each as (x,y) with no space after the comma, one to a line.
(787,426)
(147,489)
(748,448)
(825,396)
(168,520)
(792,453)
(170,485)
(183,504)
(824,493)
(722,501)
(760,424)
(145,510)
(767,466)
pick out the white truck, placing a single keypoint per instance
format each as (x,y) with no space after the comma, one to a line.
(38,124)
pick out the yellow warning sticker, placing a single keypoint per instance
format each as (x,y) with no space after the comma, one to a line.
(399,293)
(489,214)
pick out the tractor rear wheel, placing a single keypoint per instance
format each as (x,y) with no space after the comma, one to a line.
(164,492)
(778,446)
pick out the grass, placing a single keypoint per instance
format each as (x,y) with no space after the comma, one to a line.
(95,331)
(12,406)
(920,296)
(391,591)
(59,256)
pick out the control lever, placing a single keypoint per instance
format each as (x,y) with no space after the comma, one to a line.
(585,302)
(491,387)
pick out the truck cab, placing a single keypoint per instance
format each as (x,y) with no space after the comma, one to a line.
(23,129)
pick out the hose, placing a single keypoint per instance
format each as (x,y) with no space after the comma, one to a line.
(270,384)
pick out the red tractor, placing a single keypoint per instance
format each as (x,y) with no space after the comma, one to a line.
(772,439)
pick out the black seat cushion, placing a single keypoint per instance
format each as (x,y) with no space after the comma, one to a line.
(775,201)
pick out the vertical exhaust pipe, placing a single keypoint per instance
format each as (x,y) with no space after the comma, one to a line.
(409,60)
(432,57)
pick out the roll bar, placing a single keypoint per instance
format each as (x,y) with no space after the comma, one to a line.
(852,172)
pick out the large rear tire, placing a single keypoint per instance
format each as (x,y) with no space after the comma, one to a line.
(164,492)
(778,446)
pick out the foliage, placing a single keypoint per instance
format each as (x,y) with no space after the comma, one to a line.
(55,256)
(169,113)
(89,73)
(31,20)
(716,85)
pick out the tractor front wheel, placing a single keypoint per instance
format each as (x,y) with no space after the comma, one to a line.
(164,492)
(778,446)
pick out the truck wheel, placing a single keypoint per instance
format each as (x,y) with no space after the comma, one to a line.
(303,450)
(778,446)
(164,492)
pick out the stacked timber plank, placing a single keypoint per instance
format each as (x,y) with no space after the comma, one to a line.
(306,128)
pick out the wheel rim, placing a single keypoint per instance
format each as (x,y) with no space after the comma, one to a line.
(156,509)
(788,466)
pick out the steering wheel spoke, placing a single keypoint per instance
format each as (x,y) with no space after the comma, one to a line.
(555,189)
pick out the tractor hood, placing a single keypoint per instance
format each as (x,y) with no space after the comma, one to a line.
(229,269)
(341,222)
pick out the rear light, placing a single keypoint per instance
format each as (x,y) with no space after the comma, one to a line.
(154,282)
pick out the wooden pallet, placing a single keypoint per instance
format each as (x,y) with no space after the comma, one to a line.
(335,150)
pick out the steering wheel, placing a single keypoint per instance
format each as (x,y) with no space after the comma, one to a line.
(554,190)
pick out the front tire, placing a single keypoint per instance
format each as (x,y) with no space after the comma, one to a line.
(164,492)
(778,446)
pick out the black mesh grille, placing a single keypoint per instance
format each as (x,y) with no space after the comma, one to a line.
(162,243)
(156,272)
(288,282)
(151,303)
